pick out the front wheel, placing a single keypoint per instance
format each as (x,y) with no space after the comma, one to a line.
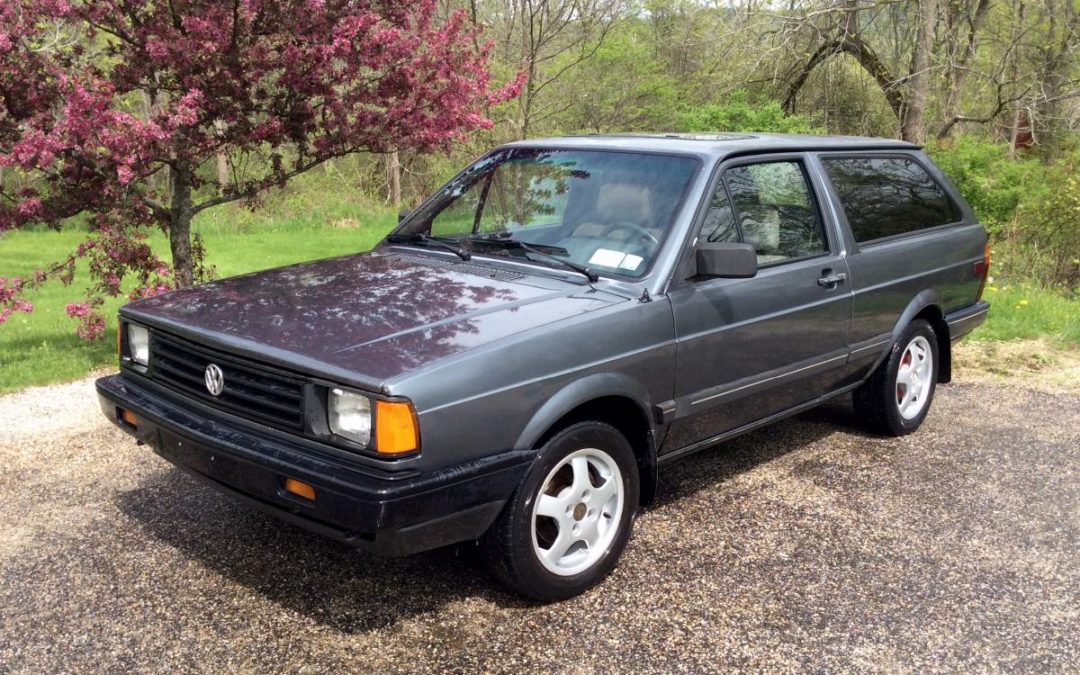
(896,398)
(568,522)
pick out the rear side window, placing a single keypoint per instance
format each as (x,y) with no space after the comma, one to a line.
(886,196)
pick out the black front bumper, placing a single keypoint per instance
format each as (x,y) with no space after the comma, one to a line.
(390,513)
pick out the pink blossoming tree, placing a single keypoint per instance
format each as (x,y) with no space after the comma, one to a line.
(113,108)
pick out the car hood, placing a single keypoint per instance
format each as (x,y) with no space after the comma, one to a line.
(366,318)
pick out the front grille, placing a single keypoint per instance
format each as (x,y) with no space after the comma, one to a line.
(256,392)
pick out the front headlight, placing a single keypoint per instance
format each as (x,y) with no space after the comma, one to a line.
(138,344)
(350,415)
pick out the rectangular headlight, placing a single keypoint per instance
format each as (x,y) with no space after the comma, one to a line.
(350,415)
(138,344)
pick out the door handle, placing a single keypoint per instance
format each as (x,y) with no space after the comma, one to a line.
(830,280)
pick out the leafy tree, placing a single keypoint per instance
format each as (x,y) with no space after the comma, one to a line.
(119,109)
(737,113)
(1047,233)
(994,185)
(627,87)
(547,39)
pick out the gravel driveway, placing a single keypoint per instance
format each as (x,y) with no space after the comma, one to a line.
(805,546)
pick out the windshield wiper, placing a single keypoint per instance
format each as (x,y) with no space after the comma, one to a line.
(426,240)
(508,244)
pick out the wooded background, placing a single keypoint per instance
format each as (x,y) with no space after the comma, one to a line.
(992,87)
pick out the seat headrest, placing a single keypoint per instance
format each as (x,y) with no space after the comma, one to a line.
(629,202)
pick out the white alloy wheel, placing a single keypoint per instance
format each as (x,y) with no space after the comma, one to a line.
(577,512)
(914,378)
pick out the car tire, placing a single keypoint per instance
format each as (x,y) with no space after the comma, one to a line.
(568,521)
(897,397)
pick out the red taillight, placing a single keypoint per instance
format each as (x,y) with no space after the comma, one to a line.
(982,270)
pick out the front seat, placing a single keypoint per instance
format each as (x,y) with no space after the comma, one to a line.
(619,203)
(626,203)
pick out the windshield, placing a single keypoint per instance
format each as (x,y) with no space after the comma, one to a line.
(605,211)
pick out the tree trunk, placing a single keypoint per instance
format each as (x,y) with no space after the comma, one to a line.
(1015,131)
(960,60)
(867,58)
(1019,13)
(222,171)
(851,19)
(222,161)
(526,105)
(393,174)
(180,216)
(530,51)
(1049,118)
(913,121)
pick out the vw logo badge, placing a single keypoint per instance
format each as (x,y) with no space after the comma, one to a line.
(215,379)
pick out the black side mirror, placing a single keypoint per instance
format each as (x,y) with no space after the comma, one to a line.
(402,215)
(725,260)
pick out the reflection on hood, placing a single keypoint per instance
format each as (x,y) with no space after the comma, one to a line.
(378,314)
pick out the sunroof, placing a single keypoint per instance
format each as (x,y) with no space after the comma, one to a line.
(718,136)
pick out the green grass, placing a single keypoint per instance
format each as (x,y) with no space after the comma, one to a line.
(1026,311)
(317,200)
(41,347)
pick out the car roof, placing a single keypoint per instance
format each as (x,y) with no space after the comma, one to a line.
(717,145)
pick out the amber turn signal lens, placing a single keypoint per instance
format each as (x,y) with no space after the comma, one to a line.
(129,417)
(395,428)
(299,489)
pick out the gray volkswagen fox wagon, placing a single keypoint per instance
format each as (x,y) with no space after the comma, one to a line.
(513,362)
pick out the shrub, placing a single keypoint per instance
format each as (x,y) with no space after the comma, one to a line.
(992,183)
(1030,209)
(737,113)
(1047,233)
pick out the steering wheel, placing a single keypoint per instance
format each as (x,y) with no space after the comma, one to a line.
(632,227)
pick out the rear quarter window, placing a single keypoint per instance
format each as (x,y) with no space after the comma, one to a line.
(888,196)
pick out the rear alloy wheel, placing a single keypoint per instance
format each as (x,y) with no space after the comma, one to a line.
(897,397)
(568,522)
(913,383)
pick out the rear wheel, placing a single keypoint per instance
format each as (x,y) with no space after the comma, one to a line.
(568,522)
(897,397)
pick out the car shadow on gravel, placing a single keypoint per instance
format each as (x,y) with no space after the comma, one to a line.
(715,465)
(352,591)
(348,590)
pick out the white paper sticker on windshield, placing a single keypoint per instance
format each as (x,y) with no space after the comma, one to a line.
(606,258)
(630,262)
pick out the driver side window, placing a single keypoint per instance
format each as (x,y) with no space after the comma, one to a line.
(771,207)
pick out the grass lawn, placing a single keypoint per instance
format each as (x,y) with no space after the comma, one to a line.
(1027,312)
(41,347)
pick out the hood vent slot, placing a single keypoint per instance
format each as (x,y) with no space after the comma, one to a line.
(461,266)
